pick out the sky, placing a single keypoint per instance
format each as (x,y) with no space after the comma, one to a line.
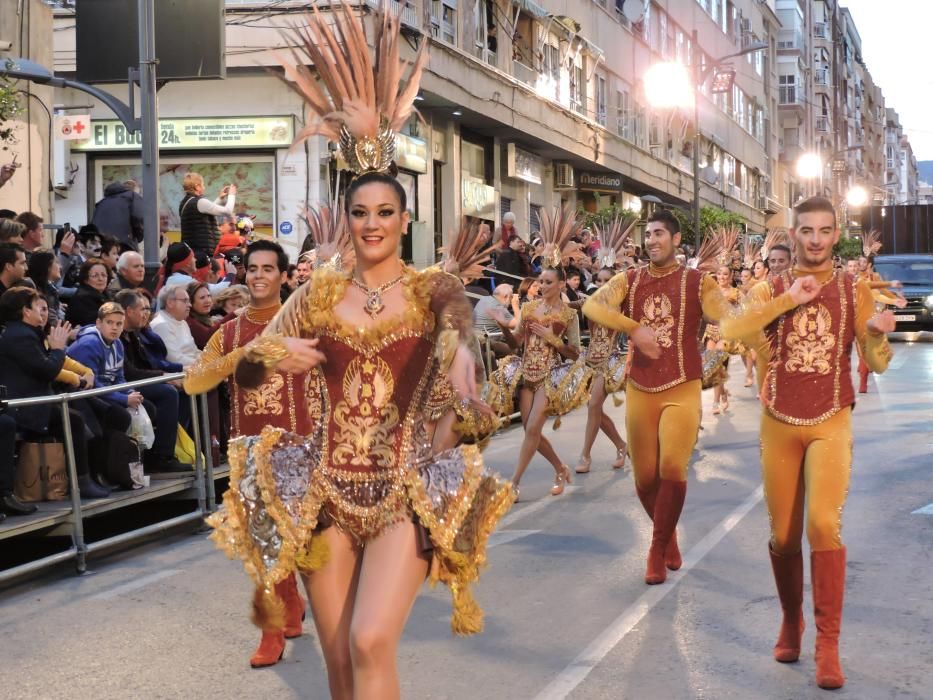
(895,43)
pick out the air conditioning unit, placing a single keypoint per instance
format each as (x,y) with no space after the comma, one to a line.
(563,176)
(746,24)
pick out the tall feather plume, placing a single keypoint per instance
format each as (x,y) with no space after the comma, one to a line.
(708,252)
(354,91)
(775,236)
(728,238)
(331,233)
(558,226)
(467,254)
(871,242)
(615,240)
(751,251)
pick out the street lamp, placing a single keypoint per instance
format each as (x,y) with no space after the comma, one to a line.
(809,166)
(857,196)
(670,85)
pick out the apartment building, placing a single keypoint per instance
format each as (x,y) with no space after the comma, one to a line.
(525,104)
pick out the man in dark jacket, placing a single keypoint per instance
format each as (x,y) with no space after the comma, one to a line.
(513,261)
(120,214)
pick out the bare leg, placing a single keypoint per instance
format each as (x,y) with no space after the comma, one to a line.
(546,450)
(594,415)
(533,418)
(444,437)
(392,572)
(331,592)
(608,426)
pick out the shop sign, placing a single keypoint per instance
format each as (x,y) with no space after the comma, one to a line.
(592,181)
(201,132)
(479,199)
(71,127)
(411,153)
(523,165)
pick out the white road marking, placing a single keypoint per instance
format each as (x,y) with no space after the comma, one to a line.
(135,584)
(926,510)
(580,667)
(501,537)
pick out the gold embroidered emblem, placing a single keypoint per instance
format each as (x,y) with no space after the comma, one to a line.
(657,316)
(265,400)
(366,415)
(811,341)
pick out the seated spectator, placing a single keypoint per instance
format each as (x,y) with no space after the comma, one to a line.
(489,312)
(11,231)
(120,214)
(527,291)
(68,259)
(43,269)
(32,236)
(513,261)
(171,324)
(110,253)
(99,348)
(9,503)
(229,302)
(179,269)
(12,265)
(28,366)
(91,294)
(199,320)
(130,272)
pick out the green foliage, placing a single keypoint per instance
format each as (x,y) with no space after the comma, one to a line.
(10,108)
(848,247)
(603,214)
(710,217)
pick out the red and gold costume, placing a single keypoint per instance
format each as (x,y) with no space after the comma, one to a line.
(605,358)
(367,463)
(281,400)
(565,383)
(883,296)
(716,360)
(663,395)
(806,441)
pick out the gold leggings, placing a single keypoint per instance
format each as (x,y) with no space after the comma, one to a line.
(662,430)
(811,461)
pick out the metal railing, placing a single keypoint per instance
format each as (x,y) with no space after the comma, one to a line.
(203,478)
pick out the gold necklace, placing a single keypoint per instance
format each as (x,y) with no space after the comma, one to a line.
(374,305)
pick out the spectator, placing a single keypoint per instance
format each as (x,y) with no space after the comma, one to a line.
(120,215)
(199,320)
(6,172)
(9,503)
(7,214)
(91,294)
(99,348)
(198,214)
(11,231)
(68,259)
(229,302)
(230,239)
(131,272)
(179,269)
(43,269)
(303,268)
(507,230)
(203,268)
(110,253)
(28,366)
(235,258)
(12,265)
(170,324)
(527,291)
(490,311)
(32,236)
(86,246)
(513,261)
(292,280)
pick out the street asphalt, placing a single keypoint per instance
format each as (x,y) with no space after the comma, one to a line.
(567,611)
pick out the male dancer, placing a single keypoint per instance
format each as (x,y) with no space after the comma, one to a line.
(280,401)
(811,315)
(779,259)
(664,303)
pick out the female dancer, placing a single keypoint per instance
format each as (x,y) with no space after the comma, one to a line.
(362,507)
(549,379)
(760,270)
(714,343)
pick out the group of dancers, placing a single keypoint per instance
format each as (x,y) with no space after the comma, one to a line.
(360,414)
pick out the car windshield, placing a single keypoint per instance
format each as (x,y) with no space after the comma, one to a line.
(908,272)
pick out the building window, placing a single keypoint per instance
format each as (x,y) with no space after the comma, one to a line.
(787,86)
(625,116)
(486,30)
(444,20)
(534,220)
(577,88)
(601,99)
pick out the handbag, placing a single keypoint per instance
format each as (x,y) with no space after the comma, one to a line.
(123,465)
(40,472)
(141,429)
(184,447)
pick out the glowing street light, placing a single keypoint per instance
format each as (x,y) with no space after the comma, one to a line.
(809,166)
(668,86)
(857,196)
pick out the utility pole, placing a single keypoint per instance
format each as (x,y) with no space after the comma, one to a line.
(695,61)
(149,123)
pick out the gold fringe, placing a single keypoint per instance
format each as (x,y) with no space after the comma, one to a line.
(616,399)
(557,423)
(314,555)
(467,617)
(268,610)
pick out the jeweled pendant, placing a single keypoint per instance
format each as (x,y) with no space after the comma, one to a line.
(374,305)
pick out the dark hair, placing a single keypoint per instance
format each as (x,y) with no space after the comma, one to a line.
(515,237)
(16,299)
(7,214)
(379,178)
(779,246)
(8,253)
(193,288)
(87,266)
(38,267)
(29,220)
(292,269)
(86,233)
(128,298)
(666,217)
(525,286)
(60,235)
(814,204)
(610,270)
(108,243)
(764,262)
(559,271)
(272,247)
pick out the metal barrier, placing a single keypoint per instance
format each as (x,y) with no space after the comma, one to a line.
(203,486)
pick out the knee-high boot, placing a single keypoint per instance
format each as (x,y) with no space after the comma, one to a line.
(668,505)
(287,590)
(828,576)
(788,577)
(863,373)
(268,615)
(672,558)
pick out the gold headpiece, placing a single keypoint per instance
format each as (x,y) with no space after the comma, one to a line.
(728,237)
(558,227)
(615,240)
(750,251)
(328,227)
(361,104)
(466,255)
(871,243)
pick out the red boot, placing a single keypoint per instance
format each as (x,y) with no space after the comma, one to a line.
(270,650)
(788,577)
(269,616)
(672,558)
(669,503)
(287,590)
(828,578)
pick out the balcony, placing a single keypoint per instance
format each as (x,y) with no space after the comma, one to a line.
(822,124)
(404,10)
(527,75)
(791,40)
(821,31)
(792,96)
(821,77)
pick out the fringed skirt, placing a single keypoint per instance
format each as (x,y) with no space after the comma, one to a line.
(566,386)
(612,370)
(280,497)
(715,366)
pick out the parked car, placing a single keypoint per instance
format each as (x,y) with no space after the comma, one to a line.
(916,274)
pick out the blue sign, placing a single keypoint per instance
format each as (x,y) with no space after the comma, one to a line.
(286,228)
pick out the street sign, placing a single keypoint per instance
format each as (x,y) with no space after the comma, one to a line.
(72,127)
(286,228)
(186,132)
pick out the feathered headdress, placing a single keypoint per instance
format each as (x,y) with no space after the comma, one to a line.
(750,251)
(775,236)
(728,237)
(708,252)
(615,240)
(871,243)
(466,255)
(358,103)
(558,226)
(331,234)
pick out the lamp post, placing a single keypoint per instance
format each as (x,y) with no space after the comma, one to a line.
(669,85)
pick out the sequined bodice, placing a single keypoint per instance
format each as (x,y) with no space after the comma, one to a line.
(603,342)
(538,355)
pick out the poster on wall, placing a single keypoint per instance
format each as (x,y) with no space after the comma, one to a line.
(255,181)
